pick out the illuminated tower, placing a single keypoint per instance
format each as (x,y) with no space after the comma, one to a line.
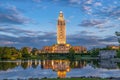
(61,29)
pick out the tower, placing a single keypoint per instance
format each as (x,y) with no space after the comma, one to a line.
(61,29)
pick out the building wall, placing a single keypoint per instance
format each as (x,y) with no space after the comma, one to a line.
(61,29)
(79,49)
(63,48)
(114,47)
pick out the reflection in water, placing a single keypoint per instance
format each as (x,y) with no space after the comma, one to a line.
(5,65)
(61,67)
(108,64)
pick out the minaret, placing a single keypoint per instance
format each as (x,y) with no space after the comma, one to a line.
(61,29)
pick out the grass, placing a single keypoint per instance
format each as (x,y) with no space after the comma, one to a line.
(71,79)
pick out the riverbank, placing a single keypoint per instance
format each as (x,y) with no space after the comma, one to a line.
(70,79)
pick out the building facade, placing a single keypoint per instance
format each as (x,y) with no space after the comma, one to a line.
(62,46)
(61,29)
(113,47)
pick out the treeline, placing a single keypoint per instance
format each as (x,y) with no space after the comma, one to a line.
(33,53)
(10,53)
(95,51)
(13,53)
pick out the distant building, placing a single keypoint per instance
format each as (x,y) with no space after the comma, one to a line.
(62,46)
(113,47)
(107,54)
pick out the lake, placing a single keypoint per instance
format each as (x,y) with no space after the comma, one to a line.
(58,68)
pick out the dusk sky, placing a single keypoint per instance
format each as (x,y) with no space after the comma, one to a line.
(33,23)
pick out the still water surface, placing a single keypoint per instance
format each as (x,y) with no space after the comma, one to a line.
(58,68)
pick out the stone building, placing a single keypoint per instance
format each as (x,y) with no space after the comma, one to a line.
(62,46)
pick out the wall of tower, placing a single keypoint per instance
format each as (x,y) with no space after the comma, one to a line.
(61,30)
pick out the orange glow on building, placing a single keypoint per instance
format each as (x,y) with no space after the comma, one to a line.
(114,47)
(62,46)
(61,74)
(61,29)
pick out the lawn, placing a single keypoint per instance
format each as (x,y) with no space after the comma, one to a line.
(74,79)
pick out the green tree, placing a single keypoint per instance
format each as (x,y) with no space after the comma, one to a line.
(118,53)
(1,51)
(34,51)
(71,54)
(118,35)
(94,52)
(15,53)
(25,52)
(6,53)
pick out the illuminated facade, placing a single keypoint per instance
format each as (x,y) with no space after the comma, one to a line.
(62,46)
(61,29)
(114,47)
(61,67)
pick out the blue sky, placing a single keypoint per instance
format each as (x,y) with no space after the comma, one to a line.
(89,23)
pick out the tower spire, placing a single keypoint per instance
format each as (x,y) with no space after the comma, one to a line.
(61,17)
(61,12)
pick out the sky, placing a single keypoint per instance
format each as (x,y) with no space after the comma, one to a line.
(33,23)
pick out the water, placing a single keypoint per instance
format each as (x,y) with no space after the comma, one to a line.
(58,68)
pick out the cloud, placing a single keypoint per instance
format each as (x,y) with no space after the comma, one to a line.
(7,42)
(49,38)
(21,37)
(103,30)
(91,41)
(15,31)
(91,23)
(95,7)
(86,32)
(89,1)
(11,15)
(69,18)
(35,41)
(98,4)
(111,12)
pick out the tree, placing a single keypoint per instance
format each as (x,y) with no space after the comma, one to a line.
(118,53)
(6,53)
(34,51)
(1,51)
(118,35)
(24,52)
(71,54)
(94,52)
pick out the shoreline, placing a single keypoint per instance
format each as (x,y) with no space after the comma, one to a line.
(71,78)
